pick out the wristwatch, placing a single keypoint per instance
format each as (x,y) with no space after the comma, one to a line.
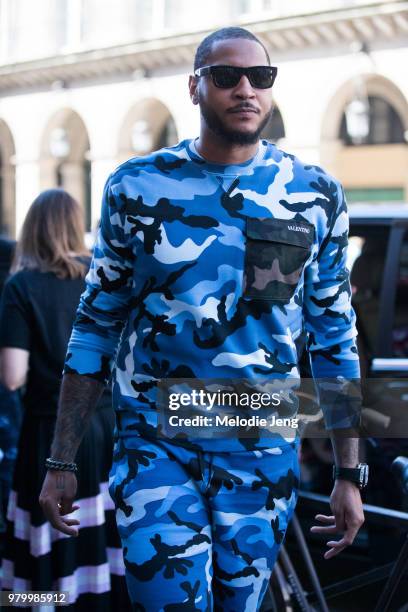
(358,475)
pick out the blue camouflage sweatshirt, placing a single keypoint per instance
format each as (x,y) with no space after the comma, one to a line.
(210,271)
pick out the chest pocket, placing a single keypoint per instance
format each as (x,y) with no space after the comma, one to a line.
(276,251)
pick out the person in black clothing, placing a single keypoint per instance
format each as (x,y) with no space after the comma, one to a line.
(10,408)
(37,310)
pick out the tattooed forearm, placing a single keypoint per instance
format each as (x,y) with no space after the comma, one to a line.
(78,398)
(345,451)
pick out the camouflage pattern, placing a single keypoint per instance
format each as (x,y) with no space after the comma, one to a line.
(203,270)
(275,254)
(201,531)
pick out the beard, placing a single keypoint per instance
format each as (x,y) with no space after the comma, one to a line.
(236,137)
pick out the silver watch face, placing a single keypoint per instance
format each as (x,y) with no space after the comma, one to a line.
(360,475)
(363,467)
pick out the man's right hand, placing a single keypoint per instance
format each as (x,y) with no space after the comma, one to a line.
(56,499)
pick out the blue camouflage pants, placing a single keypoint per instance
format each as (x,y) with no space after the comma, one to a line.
(201,531)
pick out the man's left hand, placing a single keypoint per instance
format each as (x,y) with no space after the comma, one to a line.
(347,518)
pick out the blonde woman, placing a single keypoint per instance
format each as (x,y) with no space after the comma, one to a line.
(37,311)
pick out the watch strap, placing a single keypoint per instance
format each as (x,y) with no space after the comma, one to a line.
(358,475)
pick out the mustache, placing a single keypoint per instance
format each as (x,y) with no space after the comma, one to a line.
(243,107)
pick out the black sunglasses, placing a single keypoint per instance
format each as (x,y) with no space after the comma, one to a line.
(226,77)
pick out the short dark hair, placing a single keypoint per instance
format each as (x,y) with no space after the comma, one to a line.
(204,49)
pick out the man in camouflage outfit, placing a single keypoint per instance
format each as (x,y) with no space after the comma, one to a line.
(212,257)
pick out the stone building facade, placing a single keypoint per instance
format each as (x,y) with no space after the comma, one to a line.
(85,84)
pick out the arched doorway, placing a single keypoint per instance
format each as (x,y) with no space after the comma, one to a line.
(7,182)
(384,125)
(364,141)
(148,126)
(65,158)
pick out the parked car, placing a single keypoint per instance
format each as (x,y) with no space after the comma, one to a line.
(378,262)
(379,279)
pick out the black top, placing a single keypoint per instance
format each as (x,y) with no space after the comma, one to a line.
(37,311)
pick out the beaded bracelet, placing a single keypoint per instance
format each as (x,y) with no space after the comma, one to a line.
(52,464)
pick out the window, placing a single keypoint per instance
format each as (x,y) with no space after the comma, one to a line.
(184,15)
(385,125)
(174,13)
(367,250)
(105,23)
(32,29)
(61,22)
(400,331)
(243,6)
(142,19)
